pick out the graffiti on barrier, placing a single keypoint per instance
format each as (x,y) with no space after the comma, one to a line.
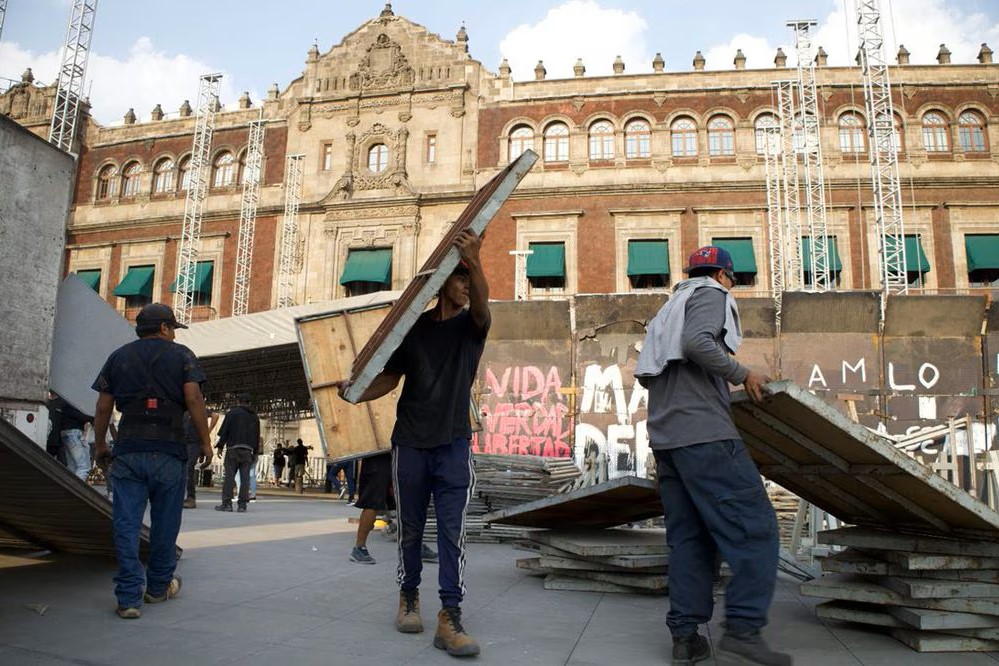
(927,376)
(612,419)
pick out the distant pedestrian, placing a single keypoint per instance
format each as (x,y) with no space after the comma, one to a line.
(193,442)
(240,436)
(152,381)
(713,497)
(71,423)
(299,459)
(279,463)
(333,478)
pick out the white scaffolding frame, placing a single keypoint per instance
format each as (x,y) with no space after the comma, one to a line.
(248,217)
(3,12)
(197,192)
(787,160)
(72,72)
(810,147)
(882,149)
(288,260)
(775,218)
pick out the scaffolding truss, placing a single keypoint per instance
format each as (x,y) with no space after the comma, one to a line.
(3,12)
(775,218)
(72,72)
(882,149)
(248,217)
(197,192)
(809,146)
(787,165)
(289,261)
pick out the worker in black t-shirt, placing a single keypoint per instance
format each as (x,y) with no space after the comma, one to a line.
(240,433)
(299,459)
(431,446)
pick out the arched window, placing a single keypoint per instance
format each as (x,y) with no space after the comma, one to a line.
(637,134)
(767,134)
(683,136)
(721,137)
(601,140)
(935,133)
(106,181)
(130,179)
(378,158)
(184,171)
(224,170)
(241,169)
(851,133)
(557,143)
(163,176)
(798,134)
(971,132)
(521,139)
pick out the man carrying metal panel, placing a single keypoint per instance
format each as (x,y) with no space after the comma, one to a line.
(431,447)
(153,381)
(712,494)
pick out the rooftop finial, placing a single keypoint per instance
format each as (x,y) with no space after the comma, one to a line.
(387,11)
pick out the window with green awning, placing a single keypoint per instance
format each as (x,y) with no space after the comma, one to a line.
(648,257)
(202,278)
(138,282)
(806,254)
(915,258)
(983,258)
(546,261)
(741,249)
(367,271)
(91,278)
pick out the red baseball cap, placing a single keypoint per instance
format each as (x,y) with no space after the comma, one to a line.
(709,256)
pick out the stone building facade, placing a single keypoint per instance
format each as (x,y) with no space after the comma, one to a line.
(398,127)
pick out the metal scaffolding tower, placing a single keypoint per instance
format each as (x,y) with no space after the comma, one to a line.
(775,219)
(197,191)
(248,217)
(69,89)
(3,11)
(882,148)
(810,148)
(289,231)
(520,284)
(787,163)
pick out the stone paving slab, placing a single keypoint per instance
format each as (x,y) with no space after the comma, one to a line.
(274,585)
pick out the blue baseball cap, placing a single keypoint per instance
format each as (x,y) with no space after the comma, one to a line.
(709,256)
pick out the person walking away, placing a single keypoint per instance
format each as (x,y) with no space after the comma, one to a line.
(71,423)
(279,462)
(712,493)
(152,381)
(349,478)
(431,450)
(193,442)
(299,459)
(240,436)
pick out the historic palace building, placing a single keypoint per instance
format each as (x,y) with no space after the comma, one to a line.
(399,127)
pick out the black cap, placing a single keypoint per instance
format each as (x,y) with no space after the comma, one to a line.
(245,398)
(154,314)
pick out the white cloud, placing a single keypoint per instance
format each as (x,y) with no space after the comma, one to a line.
(578,29)
(921,25)
(145,78)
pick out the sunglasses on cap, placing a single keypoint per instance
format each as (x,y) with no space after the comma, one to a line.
(730,275)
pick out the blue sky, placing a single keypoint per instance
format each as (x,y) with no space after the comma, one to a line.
(152,52)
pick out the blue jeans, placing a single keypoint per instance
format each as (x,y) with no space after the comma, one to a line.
(446,473)
(253,479)
(77,453)
(333,474)
(159,479)
(715,504)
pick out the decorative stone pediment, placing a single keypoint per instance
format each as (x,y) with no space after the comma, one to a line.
(384,67)
(24,100)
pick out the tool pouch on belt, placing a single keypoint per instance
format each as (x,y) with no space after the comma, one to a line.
(152,415)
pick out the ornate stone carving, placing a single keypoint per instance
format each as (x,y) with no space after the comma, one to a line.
(23,100)
(742,95)
(384,67)
(579,168)
(659,98)
(405,116)
(376,213)
(578,102)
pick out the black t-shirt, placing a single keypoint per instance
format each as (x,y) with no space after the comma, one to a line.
(279,457)
(439,360)
(300,455)
(241,428)
(123,379)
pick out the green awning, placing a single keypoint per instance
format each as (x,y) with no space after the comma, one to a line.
(137,282)
(915,258)
(648,257)
(91,278)
(548,260)
(741,249)
(983,251)
(806,254)
(368,266)
(202,278)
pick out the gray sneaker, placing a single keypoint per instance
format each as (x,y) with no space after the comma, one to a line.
(752,649)
(690,650)
(427,554)
(361,555)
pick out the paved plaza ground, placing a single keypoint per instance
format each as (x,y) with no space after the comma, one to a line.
(274,586)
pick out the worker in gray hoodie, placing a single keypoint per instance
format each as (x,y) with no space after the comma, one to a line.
(713,497)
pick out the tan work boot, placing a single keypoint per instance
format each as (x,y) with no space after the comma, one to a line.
(451,635)
(408,621)
(190,503)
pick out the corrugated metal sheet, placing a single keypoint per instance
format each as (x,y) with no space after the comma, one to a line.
(44,504)
(439,265)
(808,447)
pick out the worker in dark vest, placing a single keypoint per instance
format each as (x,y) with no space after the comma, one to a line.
(240,432)
(152,381)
